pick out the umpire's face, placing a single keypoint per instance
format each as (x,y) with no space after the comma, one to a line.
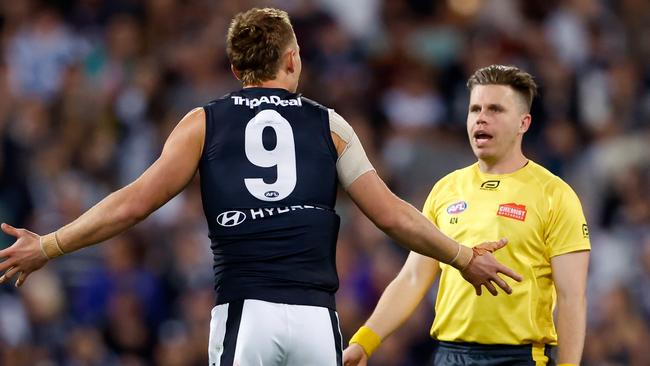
(496,121)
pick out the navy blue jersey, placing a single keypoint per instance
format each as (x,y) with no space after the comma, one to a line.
(268,183)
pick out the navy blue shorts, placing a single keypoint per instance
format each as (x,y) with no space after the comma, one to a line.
(475,354)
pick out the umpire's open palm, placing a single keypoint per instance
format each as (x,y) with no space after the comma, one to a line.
(484,269)
(24,256)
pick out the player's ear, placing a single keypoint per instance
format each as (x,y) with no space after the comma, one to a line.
(290,60)
(235,72)
(524,123)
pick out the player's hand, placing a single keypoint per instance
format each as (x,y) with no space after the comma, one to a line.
(483,269)
(354,355)
(24,256)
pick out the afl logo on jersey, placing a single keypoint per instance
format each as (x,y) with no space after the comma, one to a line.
(231,218)
(457,207)
(271,194)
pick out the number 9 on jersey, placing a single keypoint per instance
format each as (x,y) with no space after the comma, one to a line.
(282,156)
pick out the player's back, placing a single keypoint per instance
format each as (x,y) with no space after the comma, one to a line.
(268,181)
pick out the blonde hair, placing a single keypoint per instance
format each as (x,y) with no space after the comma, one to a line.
(255,43)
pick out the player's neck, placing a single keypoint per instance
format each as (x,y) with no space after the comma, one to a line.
(278,83)
(509,164)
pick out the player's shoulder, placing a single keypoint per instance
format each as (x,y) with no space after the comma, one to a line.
(226,98)
(312,103)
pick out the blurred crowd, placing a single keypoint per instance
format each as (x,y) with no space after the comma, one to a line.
(89,90)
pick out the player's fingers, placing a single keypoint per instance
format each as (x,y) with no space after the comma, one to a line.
(6,265)
(501,243)
(10,230)
(501,283)
(491,288)
(496,245)
(3,278)
(492,246)
(478,290)
(22,278)
(510,273)
(10,273)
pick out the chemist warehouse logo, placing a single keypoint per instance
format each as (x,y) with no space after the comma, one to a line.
(513,211)
(234,218)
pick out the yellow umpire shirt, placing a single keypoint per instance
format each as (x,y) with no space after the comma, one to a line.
(540,215)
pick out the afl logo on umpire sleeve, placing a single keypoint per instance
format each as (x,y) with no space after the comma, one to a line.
(231,218)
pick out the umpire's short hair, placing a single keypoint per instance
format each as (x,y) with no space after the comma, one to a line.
(521,81)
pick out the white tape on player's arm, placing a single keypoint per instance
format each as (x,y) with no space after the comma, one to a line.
(352,162)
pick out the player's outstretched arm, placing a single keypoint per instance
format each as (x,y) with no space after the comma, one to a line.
(164,179)
(570,278)
(410,228)
(397,303)
(402,221)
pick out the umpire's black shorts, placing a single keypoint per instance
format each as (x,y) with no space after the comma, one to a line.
(475,354)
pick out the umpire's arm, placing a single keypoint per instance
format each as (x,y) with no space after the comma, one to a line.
(570,278)
(396,305)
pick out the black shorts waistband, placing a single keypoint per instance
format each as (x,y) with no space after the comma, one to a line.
(486,349)
(279,294)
